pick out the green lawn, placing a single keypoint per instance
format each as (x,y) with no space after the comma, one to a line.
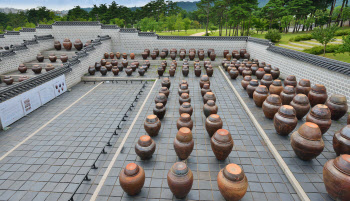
(181,33)
(340,57)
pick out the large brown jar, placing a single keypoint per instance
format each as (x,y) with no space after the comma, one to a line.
(260,94)
(210,71)
(172,71)
(115,70)
(132,178)
(307,141)
(165,91)
(338,106)
(64,58)
(161,98)
(213,123)
(128,71)
(57,45)
(49,67)
(132,65)
(254,68)
(97,66)
(103,62)
(184,98)
(276,87)
(78,44)
(320,115)
(185,71)
(183,143)
(233,73)
(210,108)
(141,71)
(245,81)
(260,73)
(291,80)
(52,58)
(318,95)
(184,121)
(145,147)
(152,125)
(275,72)
(22,68)
(8,80)
(204,80)
(37,69)
(186,108)
(336,177)
(159,110)
(266,80)
(160,71)
(303,87)
(209,96)
(180,180)
(183,82)
(166,83)
(271,105)
(105,55)
(111,55)
(67,44)
(221,144)
(205,89)
(118,55)
(232,182)
(148,51)
(301,105)
(144,55)
(109,66)
(341,141)
(166,51)
(253,84)
(103,70)
(40,58)
(197,71)
(225,53)
(287,94)
(285,120)
(212,56)
(124,63)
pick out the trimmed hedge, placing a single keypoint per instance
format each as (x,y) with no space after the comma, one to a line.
(319,49)
(301,37)
(342,32)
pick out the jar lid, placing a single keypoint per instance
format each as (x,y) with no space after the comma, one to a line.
(289,89)
(254,83)
(345,132)
(287,110)
(210,103)
(301,99)
(262,89)
(145,141)
(185,117)
(274,99)
(159,105)
(179,168)
(247,78)
(338,99)
(214,118)
(131,169)
(267,77)
(222,136)
(204,78)
(209,94)
(183,86)
(164,89)
(161,96)
(184,135)
(304,83)
(321,111)
(152,118)
(291,78)
(277,83)
(342,163)
(233,172)
(185,96)
(186,105)
(310,131)
(319,88)
(166,80)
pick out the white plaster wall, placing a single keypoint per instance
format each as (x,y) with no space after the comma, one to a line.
(16,39)
(83,33)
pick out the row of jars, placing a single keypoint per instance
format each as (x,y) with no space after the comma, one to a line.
(67,44)
(118,55)
(8,80)
(35,68)
(103,67)
(52,58)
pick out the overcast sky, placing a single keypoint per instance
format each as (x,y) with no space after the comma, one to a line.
(68,4)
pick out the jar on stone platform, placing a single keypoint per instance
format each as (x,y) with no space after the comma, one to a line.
(275,72)
(271,105)
(160,71)
(97,66)
(253,84)
(341,141)
(64,58)
(221,144)
(145,147)
(57,45)
(266,80)
(210,108)
(22,68)
(287,94)
(185,97)
(183,143)
(320,115)
(301,105)
(125,56)
(161,98)
(141,71)
(132,178)
(180,180)
(233,73)
(22,78)
(213,123)
(52,58)
(204,80)
(260,94)
(159,110)
(49,67)
(152,125)
(245,81)
(210,71)
(40,58)
(118,55)
(303,87)
(172,71)
(37,69)
(132,55)
(338,106)
(67,44)
(78,44)
(318,95)
(290,80)
(276,87)
(128,71)
(165,91)
(285,120)
(209,96)
(109,66)
(260,73)
(186,108)
(205,89)
(115,70)
(184,121)
(185,71)
(8,80)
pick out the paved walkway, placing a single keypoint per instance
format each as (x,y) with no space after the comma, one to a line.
(199,34)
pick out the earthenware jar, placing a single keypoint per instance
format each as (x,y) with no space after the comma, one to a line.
(225,53)
(338,106)
(148,51)
(260,73)
(152,125)
(197,71)
(301,105)
(285,120)
(221,144)
(78,44)
(245,81)
(241,68)
(201,56)
(128,71)
(132,178)
(103,70)
(209,96)
(184,98)
(213,123)
(271,105)
(64,58)
(67,44)
(183,82)
(145,147)
(185,71)
(320,115)
(103,62)
(318,94)
(307,141)
(336,177)
(166,51)
(160,71)
(132,55)
(254,68)
(276,87)
(115,70)
(180,180)
(52,58)
(210,108)
(165,91)
(141,71)
(205,89)
(97,66)
(246,72)
(49,67)
(109,66)
(266,80)
(287,94)
(341,141)
(253,84)
(22,78)
(232,182)
(172,71)
(290,80)
(148,63)
(275,72)
(183,89)
(172,55)
(242,52)
(22,68)
(37,69)
(260,94)
(8,80)
(57,45)
(267,69)
(162,55)
(159,110)
(183,143)
(40,58)
(125,56)
(303,87)
(184,121)
(204,80)
(144,55)
(166,83)
(154,56)
(161,98)
(212,56)
(210,71)
(111,55)
(105,55)
(186,108)
(233,73)
(191,56)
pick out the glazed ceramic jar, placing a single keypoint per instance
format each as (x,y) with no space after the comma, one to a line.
(242,52)
(210,50)
(148,63)
(245,81)
(137,64)
(338,106)
(341,141)
(307,141)
(213,123)
(253,84)
(125,56)
(172,71)
(186,108)
(132,56)
(320,115)
(260,73)
(132,65)
(8,80)
(246,72)
(205,89)
(336,177)
(267,69)
(115,70)
(185,71)
(166,51)
(184,121)
(52,58)
(287,94)
(160,71)
(192,55)
(210,71)
(180,180)
(124,63)
(118,55)
(152,125)
(121,67)
(165,91)
(183,82)
(154,56)
(260,94)
(271,105)
(161,98)
(318,94)
(290,80)
(197,71)
(276,87)
(132,178)
(111,55)
(57,45)
(210,108)
(103,62)
(209,96)
(254,68)
(103,70)
(204,80)
(225,53)
(285,120)
(233,73)
(22,78)
(183,143)
(109,66)
(172,55)
(303,87)
(212,56)
(166,83)
(67,44)
(22,68)
(144,55)
(145,147)
(266,80)
(40,58)
(106,55)
(221,144)
(49,67)
(64,58)
(148,51)
(97,66)
(301,105)
(37,69)
(275,72)
(159,110)
(78,44)
(162,55)
(232,182)
(128,71)
(185,97)
(241,68)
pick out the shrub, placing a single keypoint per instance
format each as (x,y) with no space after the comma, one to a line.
(342,32)
(274,35)
(319,49)
(301,37)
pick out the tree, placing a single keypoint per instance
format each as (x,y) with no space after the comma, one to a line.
(274,9)
(205,7)
(170,22)
(117,21)
(77,14)
(9,28)
(187,24)
(196,24)
(324,35)
(179,24)
(345,47)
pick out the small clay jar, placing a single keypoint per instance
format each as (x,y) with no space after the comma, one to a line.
(154,56)
(141,71)
(253,84)
(132,56)
(285,120)
(242,52)
(78,44)
(172,55)
(287,94)
(197,71)
(40,58)
(341,141)
(226,52)
(241,68)
(338,106)
(22,78)
(184,121)
(233,73)
(260,94)
(103,70)
(318,95)
(8,80)
(183,89)
(276,87)
(97,66)
(144,55)
(166,51)
(185,71)
(307,141)
(148,63)
(109,66)
(246,56)
(290,80)
(111,55)
(210,108)
(210,71)
(205,89)
(260,73)
(184,98)
(67,44)
(320,115)
(336,177)
(301,105)
(117,55)
(162,55)
(145,147)
(132,179)
(172,71)
(213,123)
(159,110)
(266,80)
(267,69)
(186,108)
(210,50)
(161,98)
(183,82)
(128,71)
(191,56)
(160,71)
(183,143)
(37,69)
(209,96)
(64,58)
(221,144)
(52,58)
(180,180)
(115,70)
(254,68)
(271,105)
(22,68)
(57,45)
(124,63)
(212,56)
(103,62)
(275,72)
(232,182)
(165,91)
(125,56)
(204,80)
(137,64)
(246,72)
(303,87)
(152,125)
(245,81)
(148,51)
(133,67)
(49,67)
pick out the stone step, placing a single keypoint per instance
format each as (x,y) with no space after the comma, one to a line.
(291,47)
(314,42)
(301,45)
(30,64)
